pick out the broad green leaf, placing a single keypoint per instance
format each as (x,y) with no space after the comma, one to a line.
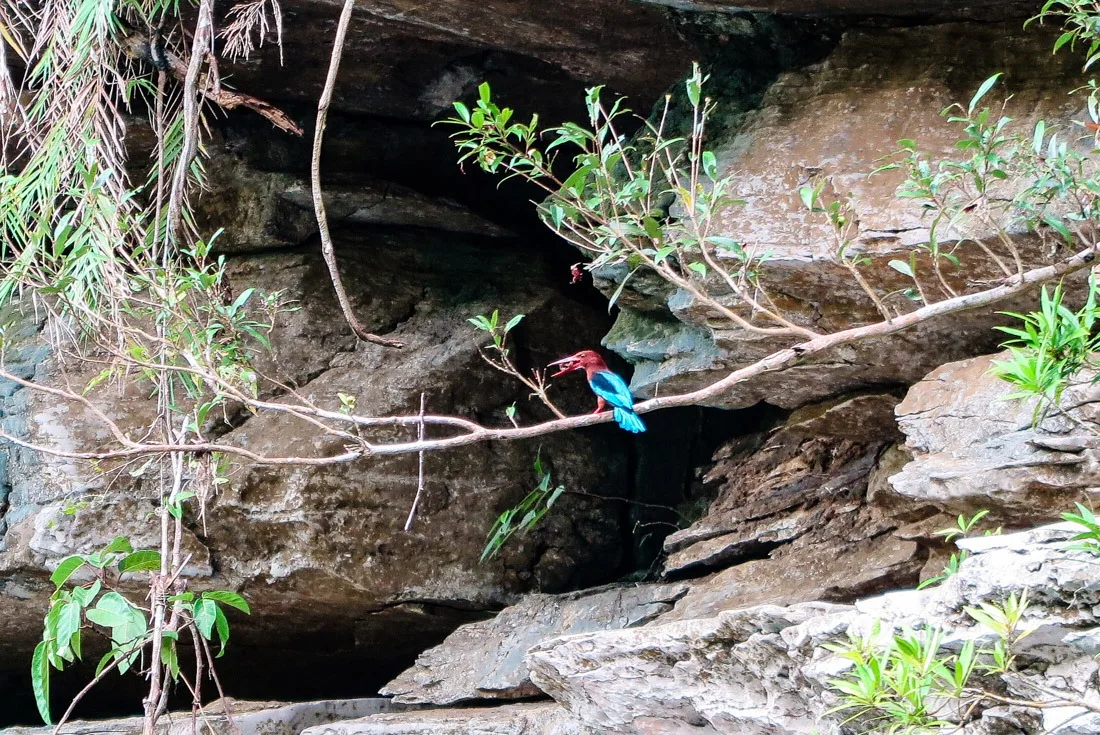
(40,681)
(228,598)
(65,569)
(145,560)
(205,615)
(982,90)
(901,267)
(222,626)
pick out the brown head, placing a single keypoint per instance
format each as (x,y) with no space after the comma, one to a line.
(587,360)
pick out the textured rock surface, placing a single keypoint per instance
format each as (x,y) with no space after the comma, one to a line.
(918,8)
(832,121)
(512,719)
(484,660)
(249,718)
(411,61)
(973,449)
(321,550)
(764,669)
(791,520)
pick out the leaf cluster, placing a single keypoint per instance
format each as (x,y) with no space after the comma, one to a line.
(526,514)
(102,605)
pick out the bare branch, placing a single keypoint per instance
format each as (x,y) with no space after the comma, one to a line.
(327,248)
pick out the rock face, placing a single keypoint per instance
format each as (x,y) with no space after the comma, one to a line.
(812,125)
(792,520)
(765,669)
(484,660)
(515,719)
(249,718)
(321,549)
(974,449)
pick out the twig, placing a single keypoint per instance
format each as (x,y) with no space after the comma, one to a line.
(88,687)
(136,45)
(327,248)
(420,471)
(204,29)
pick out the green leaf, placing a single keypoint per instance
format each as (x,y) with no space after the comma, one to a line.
(901,267)
(699,268)
(652,228)
(484,92)
(145,560)
(222,626)
(619,290)
(1037,138)
(40,681)
(463,111)
(710,165)
(229,598)
(65,569)
(982,90)
(808,195)
(1057,225)
(513,322)
(206,611)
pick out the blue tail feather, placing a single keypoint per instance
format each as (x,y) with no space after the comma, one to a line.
(629,420)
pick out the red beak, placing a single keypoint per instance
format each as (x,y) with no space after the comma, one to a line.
(568,365)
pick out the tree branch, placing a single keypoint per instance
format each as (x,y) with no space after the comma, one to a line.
(327,248)
(472,433)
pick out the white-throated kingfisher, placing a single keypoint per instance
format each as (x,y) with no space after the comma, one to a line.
(610,389)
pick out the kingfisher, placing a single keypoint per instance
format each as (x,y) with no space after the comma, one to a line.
(610,389)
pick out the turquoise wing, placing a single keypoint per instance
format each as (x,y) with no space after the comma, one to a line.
(613,389)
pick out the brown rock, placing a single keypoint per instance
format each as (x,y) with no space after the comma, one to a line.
(834,120)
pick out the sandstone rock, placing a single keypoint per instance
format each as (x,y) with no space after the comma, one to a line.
(811,126)
(973,449)
(919,8)
(512,719)
(764,670)
(484,660)
(249,718)
(791,520)
(320,551)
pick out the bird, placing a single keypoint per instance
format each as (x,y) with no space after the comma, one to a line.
(610,389)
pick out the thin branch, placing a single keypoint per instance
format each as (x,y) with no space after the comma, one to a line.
(328,250)
(472,433)
(420,470)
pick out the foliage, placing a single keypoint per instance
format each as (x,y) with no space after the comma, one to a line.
(647,202)
(1089,538)
(1052,346)
(908,682)
(526,515)
(102,604)
(962,528)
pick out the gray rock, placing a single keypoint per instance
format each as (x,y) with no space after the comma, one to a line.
(765,670)
(249,718)
(973,449)
(485,660)
(512,719)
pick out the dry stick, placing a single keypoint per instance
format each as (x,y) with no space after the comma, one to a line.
(327,249)
(136,46)
(218,685)
(204,28)
(88,687)
(420,472)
